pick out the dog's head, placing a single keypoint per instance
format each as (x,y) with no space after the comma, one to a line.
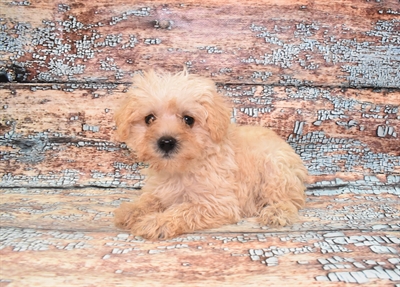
(172,120)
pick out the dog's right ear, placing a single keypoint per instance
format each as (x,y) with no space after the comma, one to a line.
(124,117)
(218,116)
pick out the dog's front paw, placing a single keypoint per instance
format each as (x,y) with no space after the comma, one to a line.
(126,215)
(156,226)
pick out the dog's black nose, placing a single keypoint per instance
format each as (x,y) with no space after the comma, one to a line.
(166,144)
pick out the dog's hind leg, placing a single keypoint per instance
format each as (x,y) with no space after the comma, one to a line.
(279,214)
(283,191)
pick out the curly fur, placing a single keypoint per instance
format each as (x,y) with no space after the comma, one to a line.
(217,172)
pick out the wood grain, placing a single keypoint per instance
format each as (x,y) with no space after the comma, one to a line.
(63,135)
(104,259)
(323,74)
(70,236)
(321,43)
(90,209)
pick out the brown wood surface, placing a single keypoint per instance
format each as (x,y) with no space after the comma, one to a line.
(63,135)
(66,237)
(90,209)
(112,259)
(329,43)
(323,74)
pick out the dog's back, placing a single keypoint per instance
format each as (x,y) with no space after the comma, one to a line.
(270,172)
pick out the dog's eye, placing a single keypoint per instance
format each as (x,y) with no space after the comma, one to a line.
(188,120)
(149,119)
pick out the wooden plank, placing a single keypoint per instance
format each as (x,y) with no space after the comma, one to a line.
(68,233)
(323,43)
(233,259)
(106,259)
(86,110)
(90,209)
(63,135)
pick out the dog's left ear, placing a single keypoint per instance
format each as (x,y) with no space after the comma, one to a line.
(218,117)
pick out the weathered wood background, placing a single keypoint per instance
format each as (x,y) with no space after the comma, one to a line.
(324,74)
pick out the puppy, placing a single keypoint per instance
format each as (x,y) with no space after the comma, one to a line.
(203,172)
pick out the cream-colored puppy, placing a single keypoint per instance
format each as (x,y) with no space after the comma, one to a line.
(203,171)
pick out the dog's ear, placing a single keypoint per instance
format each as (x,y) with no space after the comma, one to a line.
(124,117)
(218,118)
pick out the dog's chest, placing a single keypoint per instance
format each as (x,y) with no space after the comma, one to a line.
(170,190)
(177,189)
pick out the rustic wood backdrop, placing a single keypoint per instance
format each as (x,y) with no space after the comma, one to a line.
(324,74)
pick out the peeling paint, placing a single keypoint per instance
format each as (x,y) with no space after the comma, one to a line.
(365,63)
(57,57)
(348,231)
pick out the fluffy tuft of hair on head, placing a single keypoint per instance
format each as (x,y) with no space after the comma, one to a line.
(158,87)
(169,98)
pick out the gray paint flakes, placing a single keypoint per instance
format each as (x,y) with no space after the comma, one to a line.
(341,266)
(383,249)
(321,160)
(43,146)
(32,240)
(61,57)
(324,153)
(365,272)
(357,59)
(383,131)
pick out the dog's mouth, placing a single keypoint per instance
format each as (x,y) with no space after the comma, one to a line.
(168,155)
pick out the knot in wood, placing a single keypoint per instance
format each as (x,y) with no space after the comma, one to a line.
(7,74)
(163,24)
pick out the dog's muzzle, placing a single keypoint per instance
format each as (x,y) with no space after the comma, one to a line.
(167,144)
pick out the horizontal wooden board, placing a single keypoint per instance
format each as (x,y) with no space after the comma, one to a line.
(86,110)
(105,259)
(69,235)
(64,135)
(322,43)
(90,209)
